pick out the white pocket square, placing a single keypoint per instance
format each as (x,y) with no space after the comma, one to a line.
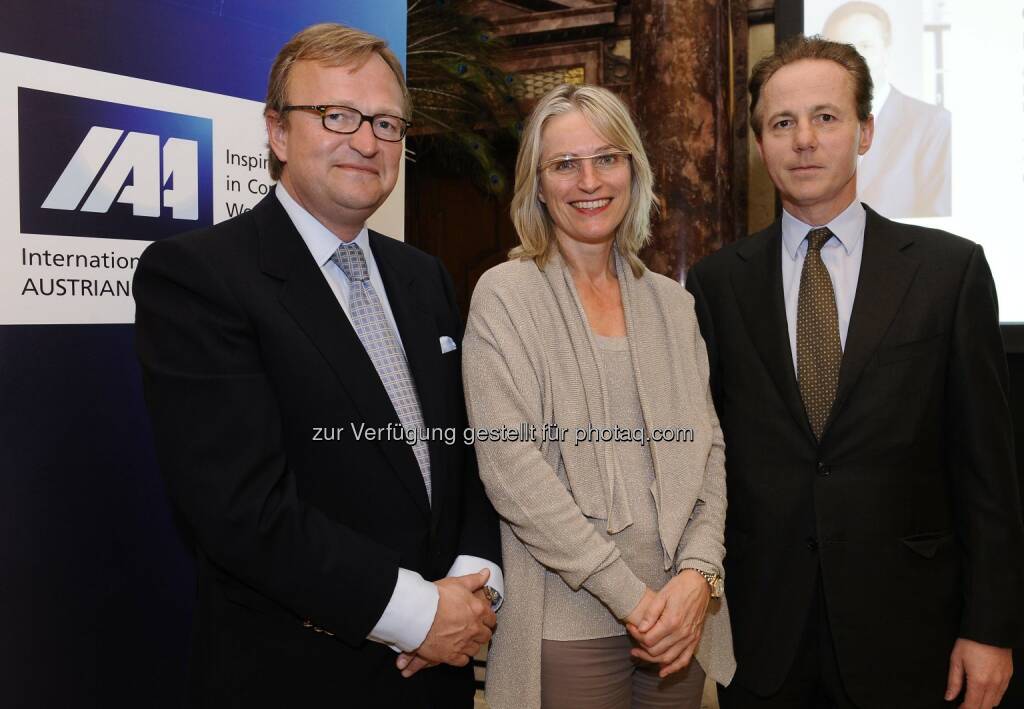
(447,344)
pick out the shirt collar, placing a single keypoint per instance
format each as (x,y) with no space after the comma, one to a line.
(848,228)
(321,241)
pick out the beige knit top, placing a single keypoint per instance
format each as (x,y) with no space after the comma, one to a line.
(579,615)
(530,358)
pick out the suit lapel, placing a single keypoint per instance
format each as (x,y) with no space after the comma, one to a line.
(308,298)
(886,273)
(757,284)
(421,340)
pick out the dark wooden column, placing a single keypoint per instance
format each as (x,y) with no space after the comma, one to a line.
(689,62)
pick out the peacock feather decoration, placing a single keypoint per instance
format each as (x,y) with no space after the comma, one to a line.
(461,99)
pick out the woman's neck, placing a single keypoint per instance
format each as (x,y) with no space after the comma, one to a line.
(590,263)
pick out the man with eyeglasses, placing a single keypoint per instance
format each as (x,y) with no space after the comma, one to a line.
(294,364)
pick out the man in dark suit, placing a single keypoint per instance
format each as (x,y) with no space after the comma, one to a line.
(303,377)
(908,171)
(874,537)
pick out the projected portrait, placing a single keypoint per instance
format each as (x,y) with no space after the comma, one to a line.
(907,171)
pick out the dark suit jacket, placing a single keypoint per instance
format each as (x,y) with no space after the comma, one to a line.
(908,507)
(245,354)
(908,170)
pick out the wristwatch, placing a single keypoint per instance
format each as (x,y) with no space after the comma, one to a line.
(716,582)
(493,597)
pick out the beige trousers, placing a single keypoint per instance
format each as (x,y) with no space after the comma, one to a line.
(601,674)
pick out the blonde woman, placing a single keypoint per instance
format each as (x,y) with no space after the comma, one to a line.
(613,512)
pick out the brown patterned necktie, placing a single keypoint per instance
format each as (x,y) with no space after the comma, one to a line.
(818,349)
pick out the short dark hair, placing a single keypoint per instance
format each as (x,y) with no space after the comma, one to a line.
(850,9)
(799,48)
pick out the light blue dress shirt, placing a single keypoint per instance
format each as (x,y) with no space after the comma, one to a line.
(410,612)
(841,255)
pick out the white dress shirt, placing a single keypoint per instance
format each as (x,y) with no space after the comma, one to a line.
(841,255)
(410,612)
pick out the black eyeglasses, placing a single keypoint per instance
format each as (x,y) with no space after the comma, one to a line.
(345,120)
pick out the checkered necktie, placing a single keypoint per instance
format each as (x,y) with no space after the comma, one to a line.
(381,343)
(818,348)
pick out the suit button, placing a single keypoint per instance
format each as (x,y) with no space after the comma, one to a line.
(812,543)
(824,470)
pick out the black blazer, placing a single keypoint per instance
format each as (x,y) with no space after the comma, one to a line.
(908,507)
(246,353)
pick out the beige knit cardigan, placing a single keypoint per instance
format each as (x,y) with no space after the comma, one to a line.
(529,358)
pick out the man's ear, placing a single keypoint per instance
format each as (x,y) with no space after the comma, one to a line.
(277,134)
(760,147)
(867,134)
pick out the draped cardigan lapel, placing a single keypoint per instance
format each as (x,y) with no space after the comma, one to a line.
(585,385)
(665,393)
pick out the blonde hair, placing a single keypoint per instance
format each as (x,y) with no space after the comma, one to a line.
(333,45)
(608,115)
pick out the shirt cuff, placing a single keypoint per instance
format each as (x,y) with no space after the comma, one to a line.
(409,614)
(466,564)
